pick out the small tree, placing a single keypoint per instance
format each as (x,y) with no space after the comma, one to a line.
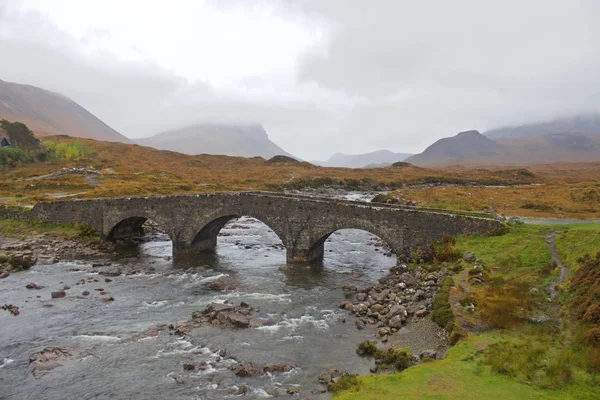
(20,136)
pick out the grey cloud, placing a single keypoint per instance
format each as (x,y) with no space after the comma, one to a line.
(388,74)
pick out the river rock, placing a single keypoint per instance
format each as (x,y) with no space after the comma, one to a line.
(246,369)
(189,367)
(292,390)
(11,308)
(223,283)
(271,368)
(58,294)
(396,322)
(469,256)
(85,293)
(428,354)
(359,324)
(408,279)
(46,360)
(421,313)
(33,286)
(239,321)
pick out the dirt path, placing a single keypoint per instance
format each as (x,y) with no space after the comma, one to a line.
(564,271)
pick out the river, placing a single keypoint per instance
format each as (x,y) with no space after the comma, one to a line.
(308,329)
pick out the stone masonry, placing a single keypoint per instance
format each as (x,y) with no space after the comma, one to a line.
(302,223)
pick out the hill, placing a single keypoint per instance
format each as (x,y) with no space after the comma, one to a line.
(473,148)
(380,158)
(582,124)
(49,113)
(467,147)
(224,139)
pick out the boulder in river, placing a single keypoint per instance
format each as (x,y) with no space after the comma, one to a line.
(246,369)
(225,316)
(223,283)
(58,294)
(46,360)
(33,286)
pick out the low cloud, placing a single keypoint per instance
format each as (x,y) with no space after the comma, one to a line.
(390,74)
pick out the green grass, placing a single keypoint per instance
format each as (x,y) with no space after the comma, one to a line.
(461,375)
(16,227)
(576,240)
(511,368)
(523,251)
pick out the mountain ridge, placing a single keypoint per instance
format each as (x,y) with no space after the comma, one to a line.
(50,113)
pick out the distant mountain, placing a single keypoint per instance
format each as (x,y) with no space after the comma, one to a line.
(49,113)
(473,148)
(380,158)
(465,146)
(582,124)
(227,139)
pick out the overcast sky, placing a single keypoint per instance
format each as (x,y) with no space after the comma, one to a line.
(321,75)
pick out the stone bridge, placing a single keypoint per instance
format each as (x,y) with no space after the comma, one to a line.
(302,223)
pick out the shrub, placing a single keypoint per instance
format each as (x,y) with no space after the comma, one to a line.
(592,336)
(398,358)
(366,349)
(442,311)
(444,251)
(386,198)
(346,382)
(10,156)
(74,150)
(84,230)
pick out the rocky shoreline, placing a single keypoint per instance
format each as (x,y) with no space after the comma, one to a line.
(17,254)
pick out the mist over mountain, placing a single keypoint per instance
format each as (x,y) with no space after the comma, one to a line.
(49,113)
(582,124)
(248,140)
(378,158)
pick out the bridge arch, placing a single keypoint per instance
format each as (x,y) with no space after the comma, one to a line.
(130,224)
(317,246)
(205,238)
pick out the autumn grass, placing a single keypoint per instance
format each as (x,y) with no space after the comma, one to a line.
(136,170)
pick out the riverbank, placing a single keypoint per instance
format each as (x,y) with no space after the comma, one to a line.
(25,243)
(521,339)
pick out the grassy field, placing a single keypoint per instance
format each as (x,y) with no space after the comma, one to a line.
(461,375)
(555,190)
(507,356)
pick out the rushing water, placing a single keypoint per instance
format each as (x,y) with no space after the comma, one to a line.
(108,362)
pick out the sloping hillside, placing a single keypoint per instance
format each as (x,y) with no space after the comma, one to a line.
(49,113)
(225,139)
